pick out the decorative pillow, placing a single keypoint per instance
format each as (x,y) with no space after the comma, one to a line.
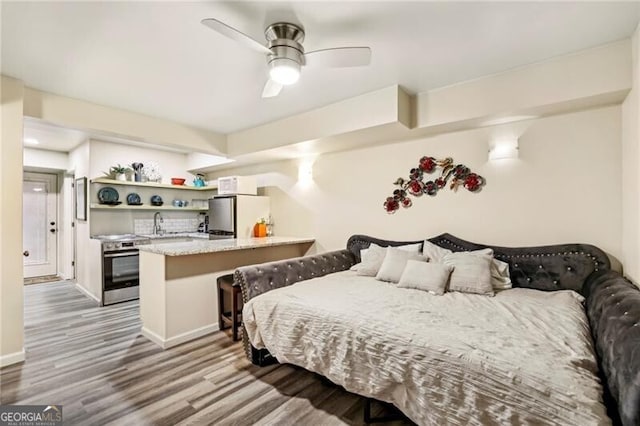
(500,278)
(371,260)
(414,248)
(434,252)
(394,262)
(471,273)
(426,276)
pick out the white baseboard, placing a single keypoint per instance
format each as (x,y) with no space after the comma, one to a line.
(13,358)
(87,293)
(180,338)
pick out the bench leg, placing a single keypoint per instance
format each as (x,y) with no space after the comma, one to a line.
(234,313)
(220,307)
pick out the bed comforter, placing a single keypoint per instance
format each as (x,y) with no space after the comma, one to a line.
(521,357)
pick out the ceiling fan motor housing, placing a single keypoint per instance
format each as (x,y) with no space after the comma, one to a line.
(284,42)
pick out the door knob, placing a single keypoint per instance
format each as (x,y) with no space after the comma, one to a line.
(25,253)
(52,230)
(52,223)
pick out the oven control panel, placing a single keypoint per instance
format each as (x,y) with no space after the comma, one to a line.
(122,245)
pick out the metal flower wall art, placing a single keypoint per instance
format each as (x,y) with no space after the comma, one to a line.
(420,181)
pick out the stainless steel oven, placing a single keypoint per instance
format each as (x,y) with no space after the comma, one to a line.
(120,268)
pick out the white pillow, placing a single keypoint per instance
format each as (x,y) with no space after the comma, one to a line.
(425,276)
(471,273)
(434,252)
(394,262)
(371,260)
(408,247)
(500,278)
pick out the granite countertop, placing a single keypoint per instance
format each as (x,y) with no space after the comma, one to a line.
(201,246)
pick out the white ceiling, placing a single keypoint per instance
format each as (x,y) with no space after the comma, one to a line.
(156,58)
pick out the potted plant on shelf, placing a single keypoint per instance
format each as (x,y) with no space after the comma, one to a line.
(119,172)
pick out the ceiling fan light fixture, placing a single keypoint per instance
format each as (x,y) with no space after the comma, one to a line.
(284,71)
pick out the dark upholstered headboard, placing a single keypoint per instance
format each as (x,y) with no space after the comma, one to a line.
(556,267)
(612,305)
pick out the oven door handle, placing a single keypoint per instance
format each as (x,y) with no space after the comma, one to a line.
(125,254)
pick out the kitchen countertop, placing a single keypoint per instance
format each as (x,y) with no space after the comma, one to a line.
(165,236)
(202,235)
(201,245)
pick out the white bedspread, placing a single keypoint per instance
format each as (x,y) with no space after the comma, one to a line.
(521,357)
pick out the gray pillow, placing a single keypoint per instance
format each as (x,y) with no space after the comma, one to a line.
(425,276)
(394,262)
(471,273)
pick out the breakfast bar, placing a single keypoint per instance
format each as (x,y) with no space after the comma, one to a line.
(178,297)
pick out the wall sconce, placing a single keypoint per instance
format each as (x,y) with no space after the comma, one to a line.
(305,172)
(503,148)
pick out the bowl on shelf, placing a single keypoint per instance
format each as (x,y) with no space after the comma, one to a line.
(156,200)
(177,181)
(180,203)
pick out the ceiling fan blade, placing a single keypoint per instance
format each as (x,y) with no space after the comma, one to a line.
(234,34)
(339,57)
(271,89)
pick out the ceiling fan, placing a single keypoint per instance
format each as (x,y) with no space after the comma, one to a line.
(286,56)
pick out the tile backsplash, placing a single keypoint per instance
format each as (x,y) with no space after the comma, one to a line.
(145,226)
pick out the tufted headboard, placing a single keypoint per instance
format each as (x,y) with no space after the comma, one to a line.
(556,267)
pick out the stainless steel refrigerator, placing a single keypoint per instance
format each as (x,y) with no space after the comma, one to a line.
(233,216)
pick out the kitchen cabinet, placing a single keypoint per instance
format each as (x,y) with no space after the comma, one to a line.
(146,190)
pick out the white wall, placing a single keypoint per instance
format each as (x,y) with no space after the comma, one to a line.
(88,269)
(43,159)
(107,154)
(565,187)
(66,232)
(630,174)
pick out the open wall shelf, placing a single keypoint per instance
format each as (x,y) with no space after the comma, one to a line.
(153,185)
(125,206)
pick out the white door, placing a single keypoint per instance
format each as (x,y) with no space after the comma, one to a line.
(40,224)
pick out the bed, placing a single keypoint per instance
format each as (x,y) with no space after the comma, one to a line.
(561,347)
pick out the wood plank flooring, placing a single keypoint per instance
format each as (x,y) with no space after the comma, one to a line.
(94,362)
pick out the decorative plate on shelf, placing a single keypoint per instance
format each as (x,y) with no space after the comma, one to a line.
(133,199)
(108,195)
(156,200)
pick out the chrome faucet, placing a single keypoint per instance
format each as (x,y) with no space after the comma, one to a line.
(157,224)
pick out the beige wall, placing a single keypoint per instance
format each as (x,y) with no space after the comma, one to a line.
(11,274)
(82,115)
(565,187)
(630,174)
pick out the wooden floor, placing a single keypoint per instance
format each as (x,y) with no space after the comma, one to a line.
(95,363)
